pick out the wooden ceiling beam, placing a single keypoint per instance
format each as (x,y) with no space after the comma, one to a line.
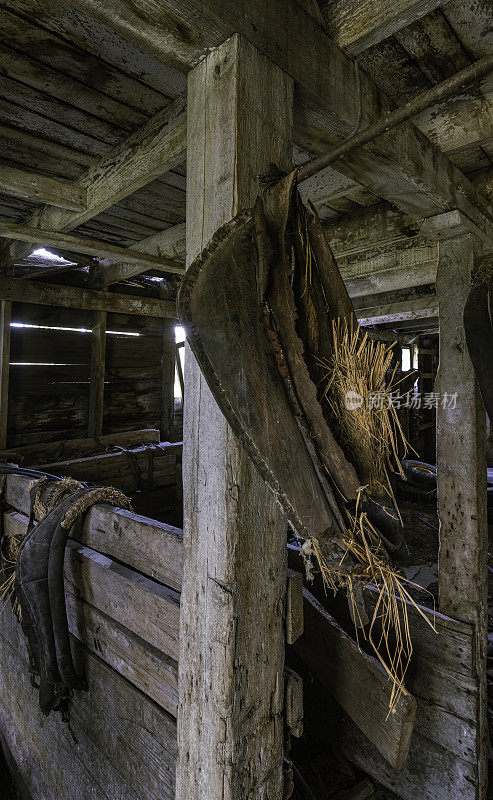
(48,294)
(169,244)
(40,189)
(359,24)
(398,310)
(32,142)
(331,98)
(152,150)
(91,247)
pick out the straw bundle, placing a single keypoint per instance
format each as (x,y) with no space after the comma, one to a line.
(359,397)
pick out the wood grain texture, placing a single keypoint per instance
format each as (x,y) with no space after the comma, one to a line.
(230,739)
(96,389)
(75,297)
(168,381)
(169,243)
(150,547)
(126,744)
(86,245)
(399,310)
(145,607)
(5,315)
(294,606)
(40,189)
(358,682)
(461,481)
(76,448)
(149,152)
(328,97)
(356,27)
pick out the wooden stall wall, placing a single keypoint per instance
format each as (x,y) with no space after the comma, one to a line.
(50,369)
(49,375)
(122,578)
(133,376)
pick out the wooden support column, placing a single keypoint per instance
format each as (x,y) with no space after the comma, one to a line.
(461,456)
(230,726)
(168,380)
(98,359)
(5,314)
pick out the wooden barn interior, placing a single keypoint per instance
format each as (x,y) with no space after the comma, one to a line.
(217,663)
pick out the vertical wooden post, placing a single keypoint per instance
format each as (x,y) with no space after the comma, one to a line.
(5,315)
(98,358)
(168,380)
(461,457)
(230,730)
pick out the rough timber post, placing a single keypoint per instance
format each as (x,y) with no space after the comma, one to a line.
(98,362)
(230,731)
(168,380)
(5,314)
(461,455)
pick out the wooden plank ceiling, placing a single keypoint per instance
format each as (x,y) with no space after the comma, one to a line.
(71,89)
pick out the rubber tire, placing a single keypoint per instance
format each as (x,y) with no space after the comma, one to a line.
(420,474)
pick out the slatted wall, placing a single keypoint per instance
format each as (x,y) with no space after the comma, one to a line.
(50,370)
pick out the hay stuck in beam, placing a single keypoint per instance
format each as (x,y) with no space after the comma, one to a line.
(358,394)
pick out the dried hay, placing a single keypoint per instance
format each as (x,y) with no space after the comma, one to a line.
(371,433)
(359,397)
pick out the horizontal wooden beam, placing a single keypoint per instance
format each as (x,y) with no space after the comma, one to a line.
(32,454)
(389,269)
(330,97)
(48,294)
(399,311)
(40,189)
(102,719)
(30,141)
(462,123)
(167,244)
(91,247)
(358,682)
(371,227)
(146,154)
(150,547)
(355,26)
(158,466)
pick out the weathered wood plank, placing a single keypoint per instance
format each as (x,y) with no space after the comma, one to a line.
(146,667)
(86,245)
(168,381)
(116,468)
(142,605)
(49,294)
(149,152)
(40,189)
(153,548)
(413,308)
(91,37)
(355,27)
(329,94)
(58,151)
(294,606)
(357,681)
(147,608)
(433,773)
(230,740)
(169,243)
(110,719)
(461,482)
(5,316)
